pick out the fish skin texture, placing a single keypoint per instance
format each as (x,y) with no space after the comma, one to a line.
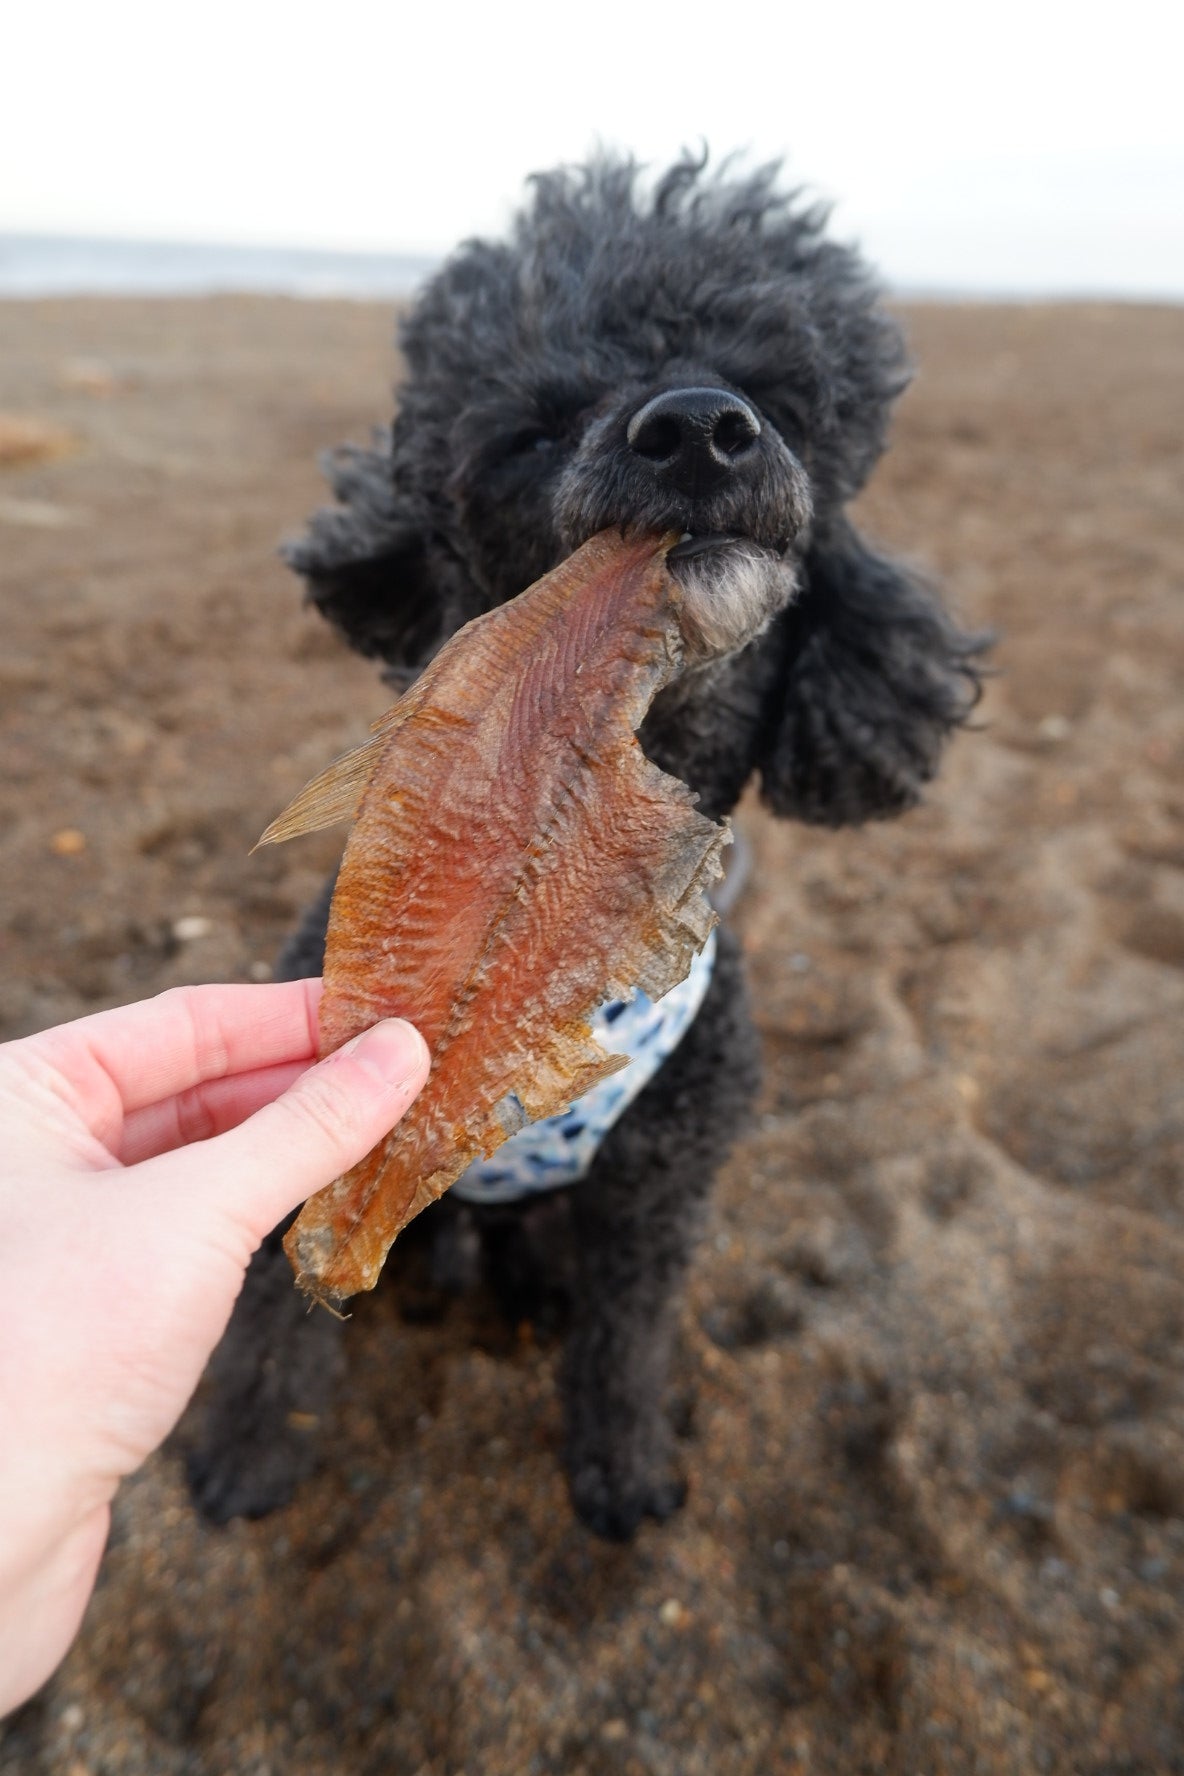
(515,861)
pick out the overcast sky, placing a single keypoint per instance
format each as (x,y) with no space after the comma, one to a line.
(1033,145)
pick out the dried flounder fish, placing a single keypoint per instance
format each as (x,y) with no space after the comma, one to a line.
(515,861)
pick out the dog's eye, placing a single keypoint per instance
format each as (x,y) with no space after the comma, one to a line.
(530,439)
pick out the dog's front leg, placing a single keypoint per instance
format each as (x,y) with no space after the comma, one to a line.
(618,1445)
(638,1216)
(269,1389)
(271,1381)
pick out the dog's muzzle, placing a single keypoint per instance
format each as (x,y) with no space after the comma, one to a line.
(698,458)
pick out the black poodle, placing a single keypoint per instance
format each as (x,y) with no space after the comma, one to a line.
(699,359)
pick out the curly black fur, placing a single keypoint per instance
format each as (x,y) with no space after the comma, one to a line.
(828,670)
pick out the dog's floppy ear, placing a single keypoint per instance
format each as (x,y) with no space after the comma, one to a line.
(371,563)
(877,676)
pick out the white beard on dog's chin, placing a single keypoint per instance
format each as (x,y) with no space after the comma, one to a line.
(729,595)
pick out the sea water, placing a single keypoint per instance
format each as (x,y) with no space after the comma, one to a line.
(64,265)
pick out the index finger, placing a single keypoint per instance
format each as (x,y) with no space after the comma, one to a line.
(118,1061)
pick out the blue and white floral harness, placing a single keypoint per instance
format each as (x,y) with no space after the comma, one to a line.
(546,1155)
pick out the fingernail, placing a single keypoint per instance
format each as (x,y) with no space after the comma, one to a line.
(392,1051)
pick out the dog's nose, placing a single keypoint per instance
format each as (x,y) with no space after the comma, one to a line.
(694,438)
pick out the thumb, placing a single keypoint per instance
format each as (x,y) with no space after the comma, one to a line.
(323,1124)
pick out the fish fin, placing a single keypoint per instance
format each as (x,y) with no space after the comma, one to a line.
(332,796)
(335,792)
(556,1087)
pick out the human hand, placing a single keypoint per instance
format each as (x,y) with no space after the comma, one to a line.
(147,1151)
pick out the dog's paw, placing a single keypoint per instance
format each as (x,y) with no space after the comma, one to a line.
(250,1470)
(613,1506)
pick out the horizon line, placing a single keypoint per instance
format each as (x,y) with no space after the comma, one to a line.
(396,271)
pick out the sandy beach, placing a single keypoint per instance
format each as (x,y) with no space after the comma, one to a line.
(931,1378)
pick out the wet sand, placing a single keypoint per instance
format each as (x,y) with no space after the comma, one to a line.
(931,1381)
